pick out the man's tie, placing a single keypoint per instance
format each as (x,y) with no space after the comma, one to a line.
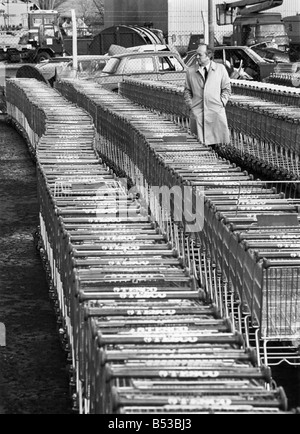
(205,73)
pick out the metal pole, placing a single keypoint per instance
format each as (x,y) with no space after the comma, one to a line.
(75,44)
(211,30)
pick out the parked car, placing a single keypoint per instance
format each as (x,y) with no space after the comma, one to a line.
(270,51)
(62,67)
(154,65)
(239,58)
(87,66)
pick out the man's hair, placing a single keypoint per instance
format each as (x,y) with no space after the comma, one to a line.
(209,50)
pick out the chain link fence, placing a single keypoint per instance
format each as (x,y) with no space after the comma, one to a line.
(18,38)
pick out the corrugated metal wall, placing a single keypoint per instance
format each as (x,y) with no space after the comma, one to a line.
(137,12)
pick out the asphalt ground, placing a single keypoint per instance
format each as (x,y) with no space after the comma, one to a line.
(33,374)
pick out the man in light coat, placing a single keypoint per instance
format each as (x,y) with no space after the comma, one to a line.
(207,91)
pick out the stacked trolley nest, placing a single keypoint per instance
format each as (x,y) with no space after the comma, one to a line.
(265,124)
(156,153)
(263,119)
(141,339)
(286,75)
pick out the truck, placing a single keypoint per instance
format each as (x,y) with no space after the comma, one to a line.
(292,25)
(40,38)
(251,26)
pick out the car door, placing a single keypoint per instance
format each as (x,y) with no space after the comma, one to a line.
(220,57)
(238,57)
(170,69)
(143,67)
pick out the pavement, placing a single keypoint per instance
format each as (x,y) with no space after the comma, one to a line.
(33,373)
(2,399)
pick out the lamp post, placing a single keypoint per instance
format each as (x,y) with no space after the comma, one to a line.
(211,29)
(7,14)
(75,42)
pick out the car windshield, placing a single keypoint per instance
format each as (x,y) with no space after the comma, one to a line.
(111,66)
(271,30)
(255,56)
(240,54)
(91,65)
(49,31)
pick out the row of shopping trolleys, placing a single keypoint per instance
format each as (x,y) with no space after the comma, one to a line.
(151,150)
(263,120)
(142,338)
